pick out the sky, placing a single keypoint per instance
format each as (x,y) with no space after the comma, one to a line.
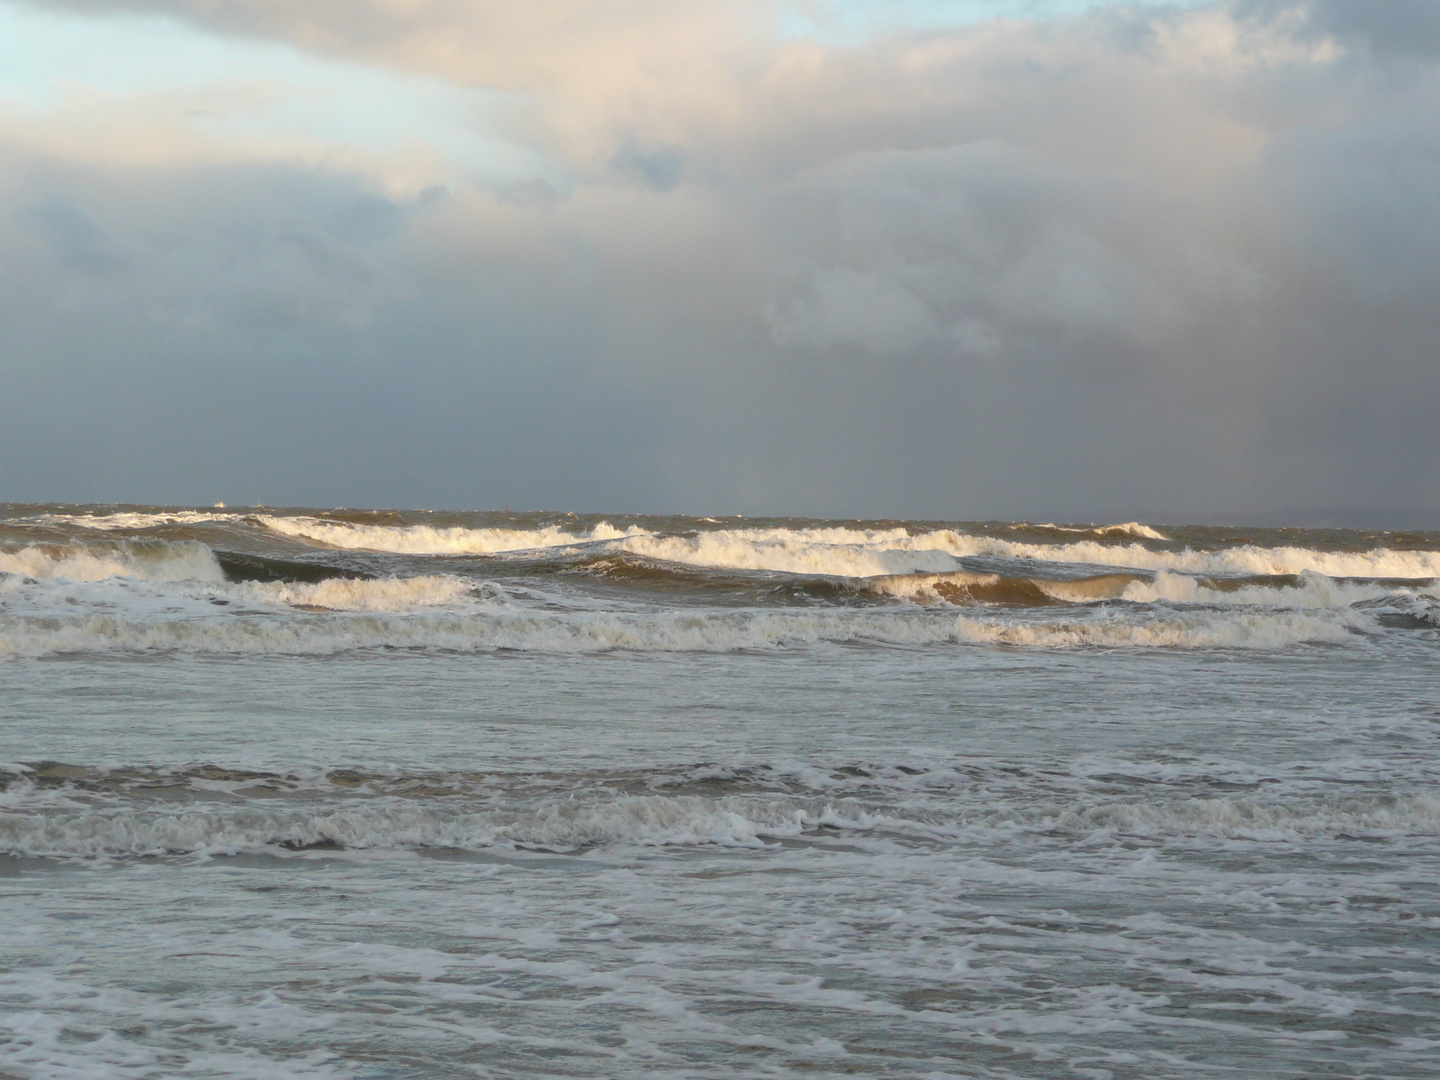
(853,258)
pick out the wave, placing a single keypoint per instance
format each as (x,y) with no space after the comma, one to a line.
(830,552)
(371,625)
(1405,611)
(1300,592)
(1188,630)
(240,567)
(131,581)
(842,552)
(519,630)
(564,825)
(1245,560)
(428,540)
(147,578)
(354,594)
(839,552)
(1128,528)
(128,520)
(657,820)
(150,560)
(972,588)
(1304,590)
(142,602)
(1252,819)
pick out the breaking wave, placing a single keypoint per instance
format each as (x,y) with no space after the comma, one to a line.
(520,630)
(145,560)
(817,551)
(831,552)
(1252,819)
(1304,590)
(657,820)
(961,587)
(871,553)
(367,583)
(351,594)
(1128,528)
(587,632)
(1178,630)
(1297,591)
(564,825)
(428,540)
(119,519)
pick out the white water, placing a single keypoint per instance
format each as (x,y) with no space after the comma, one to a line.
(541,866)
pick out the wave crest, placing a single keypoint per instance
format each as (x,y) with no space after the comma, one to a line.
(352,594)
(1127,528)
(429,540)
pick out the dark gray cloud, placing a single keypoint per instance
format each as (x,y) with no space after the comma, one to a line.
(76,242)
(1059,271)
(1404,28)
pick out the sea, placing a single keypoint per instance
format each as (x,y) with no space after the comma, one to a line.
(373,794)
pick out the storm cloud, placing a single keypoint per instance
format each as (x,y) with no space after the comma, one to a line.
(1142,262)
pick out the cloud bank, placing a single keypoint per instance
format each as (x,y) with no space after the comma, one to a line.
(1145,261)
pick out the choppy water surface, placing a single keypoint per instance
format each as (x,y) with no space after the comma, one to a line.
(305,793)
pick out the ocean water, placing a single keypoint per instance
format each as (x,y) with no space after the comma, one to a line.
(314,793)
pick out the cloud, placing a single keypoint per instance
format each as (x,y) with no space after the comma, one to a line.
(1142,262)
(589,74)
(645,85)
(76,242)
(1408,28)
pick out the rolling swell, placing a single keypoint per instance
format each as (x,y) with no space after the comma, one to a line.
(715,584)
(259,568)
(979,588)
(963,588)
